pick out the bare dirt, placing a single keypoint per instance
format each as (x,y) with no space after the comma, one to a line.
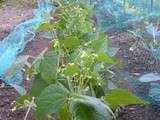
(7,98)
(12,13)
(139,113)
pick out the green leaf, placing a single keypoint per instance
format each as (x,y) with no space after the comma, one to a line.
(121,97)
(52,99)
(21,99)
(101,40)
(71,58)
(71,42)
(65,114)
(43,27)
(38,86)
(104,57)
(64,82)
(72,69)
(89,108)
(99,91)
(48,67)
(36,63)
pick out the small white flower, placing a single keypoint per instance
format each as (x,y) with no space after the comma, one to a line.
(83,54)
(89,77)
(71,64)
(95,55)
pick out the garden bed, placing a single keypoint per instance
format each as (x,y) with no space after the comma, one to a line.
(134,63)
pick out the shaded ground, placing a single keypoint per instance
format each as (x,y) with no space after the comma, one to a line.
(7,97)
(139,113)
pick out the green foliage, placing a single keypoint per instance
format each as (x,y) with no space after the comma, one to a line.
(65,114)
(71,42)
(104,57)
(52,99)
(90,108)
(72,67)
(48,67)
(99,41)
(121,97)
(72,70)
(38,85)
(43,27)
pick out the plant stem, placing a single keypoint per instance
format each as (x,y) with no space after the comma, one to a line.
(29,108)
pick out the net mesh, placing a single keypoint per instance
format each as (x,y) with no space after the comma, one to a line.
(141,16)
(118,14)
(15,42)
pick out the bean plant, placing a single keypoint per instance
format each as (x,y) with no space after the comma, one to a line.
(69,80)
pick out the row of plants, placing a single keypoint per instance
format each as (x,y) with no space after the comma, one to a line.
(147,37)
(69,77)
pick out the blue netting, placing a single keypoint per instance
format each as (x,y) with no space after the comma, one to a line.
(147,87)
(15,42)
(156,53)
(116,14)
